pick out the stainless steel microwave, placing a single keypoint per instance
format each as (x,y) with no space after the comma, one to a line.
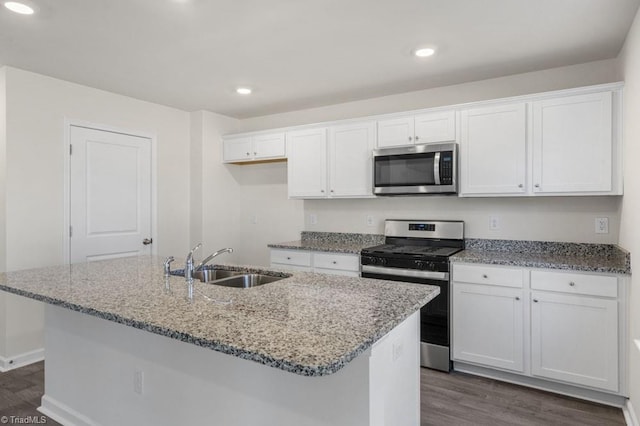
(416,170)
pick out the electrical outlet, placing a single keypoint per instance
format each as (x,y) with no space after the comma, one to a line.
(396,351)
(313,219)
(602,225)
(138,381)
(494,223)
(370,221)
(254,219)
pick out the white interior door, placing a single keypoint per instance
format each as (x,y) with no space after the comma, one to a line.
(110,195)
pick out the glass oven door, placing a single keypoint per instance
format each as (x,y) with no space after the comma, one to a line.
(434,316)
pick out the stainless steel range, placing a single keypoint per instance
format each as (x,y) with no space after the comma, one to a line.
(418,251)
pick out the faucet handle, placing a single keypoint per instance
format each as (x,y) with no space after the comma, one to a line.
(167,265)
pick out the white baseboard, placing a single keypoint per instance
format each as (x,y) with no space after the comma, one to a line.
(21,360)
(63,414)
(629,414)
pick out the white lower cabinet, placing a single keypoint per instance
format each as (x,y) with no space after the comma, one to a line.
(316,261)
(489,326)
(574,337)
(544,324)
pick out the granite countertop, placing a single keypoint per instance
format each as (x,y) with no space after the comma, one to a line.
(605,258)
(308,324)
(334,242)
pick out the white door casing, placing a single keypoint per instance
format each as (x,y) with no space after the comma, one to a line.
(110,203)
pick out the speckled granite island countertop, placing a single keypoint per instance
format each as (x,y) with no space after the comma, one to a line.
(604,258)
(335,242)
(308,324)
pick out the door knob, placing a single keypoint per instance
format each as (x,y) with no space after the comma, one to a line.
(147,241)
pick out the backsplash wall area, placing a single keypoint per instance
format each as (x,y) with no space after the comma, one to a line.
(570,219)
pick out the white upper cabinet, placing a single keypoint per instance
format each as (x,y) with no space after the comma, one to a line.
(572,144)
(237,149)
(493,146)
(331,164)
(395,132)
(307,163)
(562,145)
(254,148)
(546,144)
(350,159)
(430,127)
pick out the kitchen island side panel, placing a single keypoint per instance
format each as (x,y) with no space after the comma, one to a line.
(100,372)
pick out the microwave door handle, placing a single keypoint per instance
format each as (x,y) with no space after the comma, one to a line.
(436,168)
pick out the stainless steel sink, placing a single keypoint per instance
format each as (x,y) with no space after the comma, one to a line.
(230,278)
(209,275)
(246,280)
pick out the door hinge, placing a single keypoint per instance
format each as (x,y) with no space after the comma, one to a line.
(70,231)
(70,149)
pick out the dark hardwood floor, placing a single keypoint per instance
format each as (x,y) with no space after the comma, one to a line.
(20,393)
(462,399)
(455,399)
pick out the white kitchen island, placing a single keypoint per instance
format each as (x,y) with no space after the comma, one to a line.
(126,346)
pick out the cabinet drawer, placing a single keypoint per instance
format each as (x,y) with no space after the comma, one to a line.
(291,257)
(345,262)
(506,277)
(587,284)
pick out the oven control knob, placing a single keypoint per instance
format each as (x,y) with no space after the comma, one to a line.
(429,266)
(382,261)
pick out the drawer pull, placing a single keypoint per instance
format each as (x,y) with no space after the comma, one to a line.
(572,284)
(334,262)
(288,258)
(535,300)
(517,298)
(485,276)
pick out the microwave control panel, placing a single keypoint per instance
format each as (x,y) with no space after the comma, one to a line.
(446,168)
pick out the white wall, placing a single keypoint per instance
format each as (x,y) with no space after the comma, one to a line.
(3,168)
(36,109)
(630,226)
(195,180)
(514,85)
(547,219)
(233,195)
(553,219)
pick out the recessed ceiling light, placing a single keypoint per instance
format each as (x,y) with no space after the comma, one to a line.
(20,8)
(243,91)
(425,52)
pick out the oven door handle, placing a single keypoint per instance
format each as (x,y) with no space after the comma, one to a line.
(413,273)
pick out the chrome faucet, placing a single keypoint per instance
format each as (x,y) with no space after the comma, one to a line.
(167,266)
(210,257)
(188,267)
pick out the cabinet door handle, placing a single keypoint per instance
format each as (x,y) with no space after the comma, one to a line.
(535,300)
(332,191)
(255,153)
(572,284)
(520,186)
(322,190)
(248,153)
(288,258)
(410,138)
(334,262)
(417,137)
(517,298)
(537,185)
(485,276)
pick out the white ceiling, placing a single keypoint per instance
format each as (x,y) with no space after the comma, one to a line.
(192,54)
